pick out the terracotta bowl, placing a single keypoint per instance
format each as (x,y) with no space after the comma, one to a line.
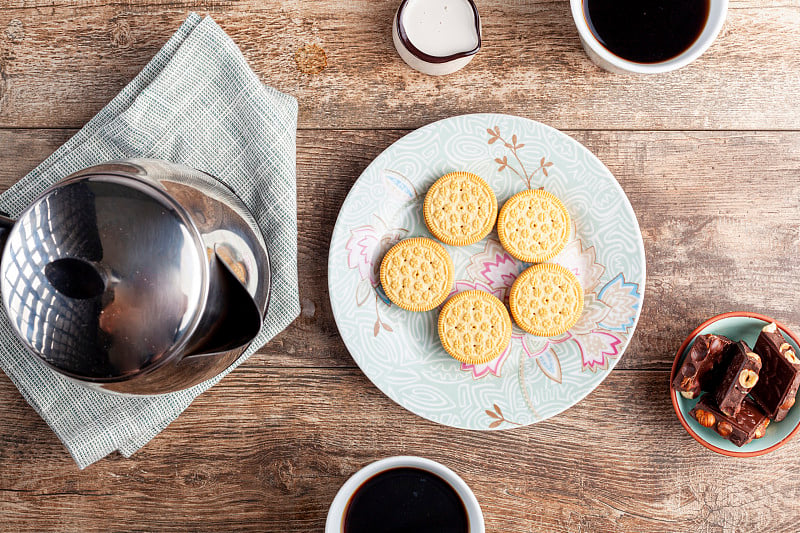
(738,325)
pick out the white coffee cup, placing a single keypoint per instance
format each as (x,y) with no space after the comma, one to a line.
(336,513)
(718,10)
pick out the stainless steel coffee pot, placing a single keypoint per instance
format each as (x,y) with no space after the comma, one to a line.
(136,277)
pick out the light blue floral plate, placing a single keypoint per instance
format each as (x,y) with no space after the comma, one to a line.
(535,378)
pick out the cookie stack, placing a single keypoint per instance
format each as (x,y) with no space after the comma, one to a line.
(474,326)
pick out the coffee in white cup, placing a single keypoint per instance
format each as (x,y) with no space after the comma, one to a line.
(647,36)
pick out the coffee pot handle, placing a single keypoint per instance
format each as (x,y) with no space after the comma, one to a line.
(6,223)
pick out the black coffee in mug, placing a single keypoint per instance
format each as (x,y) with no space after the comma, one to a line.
(646,31)
(405,500)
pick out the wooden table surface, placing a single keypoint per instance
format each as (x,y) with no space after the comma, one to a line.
(709,157)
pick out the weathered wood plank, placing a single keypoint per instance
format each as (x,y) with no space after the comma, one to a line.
(60,62)
(718,234)
(267,449)
(718,212)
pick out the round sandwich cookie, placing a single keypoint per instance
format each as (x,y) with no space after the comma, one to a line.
(417,274)
(474,327)
(460,209)
(533,226)
(546,300)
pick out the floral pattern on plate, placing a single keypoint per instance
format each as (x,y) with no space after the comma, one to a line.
(535,378)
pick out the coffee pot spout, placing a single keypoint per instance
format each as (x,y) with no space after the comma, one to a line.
(231,319)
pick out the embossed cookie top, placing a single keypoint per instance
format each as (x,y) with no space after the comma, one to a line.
(460,209)
(417,274)
(474,327)
(533,226)
(546,300)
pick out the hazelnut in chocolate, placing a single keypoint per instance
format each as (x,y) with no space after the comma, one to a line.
(740,376)
(697,371)
(779,378)
(748,424)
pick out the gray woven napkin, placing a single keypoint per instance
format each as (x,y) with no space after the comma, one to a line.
(197,103)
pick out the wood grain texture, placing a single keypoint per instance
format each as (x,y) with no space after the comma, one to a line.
(709,157)
(79,54)
(718,212)
(267,449)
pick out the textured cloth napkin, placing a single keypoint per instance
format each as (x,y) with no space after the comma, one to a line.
(197,103)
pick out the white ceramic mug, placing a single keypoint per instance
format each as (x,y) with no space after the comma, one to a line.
(336,513)
(718,10)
